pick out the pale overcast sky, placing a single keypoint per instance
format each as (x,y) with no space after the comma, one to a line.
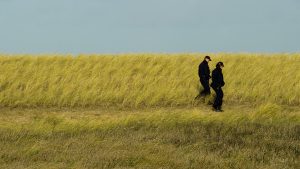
(123,26)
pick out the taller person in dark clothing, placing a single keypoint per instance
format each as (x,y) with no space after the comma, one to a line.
(217,84)
(204,75)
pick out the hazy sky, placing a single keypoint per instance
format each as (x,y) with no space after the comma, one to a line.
(122,26)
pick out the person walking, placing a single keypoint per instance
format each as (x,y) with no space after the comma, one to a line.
(217,84)
(204,75)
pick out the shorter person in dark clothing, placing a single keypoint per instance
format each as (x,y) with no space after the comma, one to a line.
(204,75)
(217,84)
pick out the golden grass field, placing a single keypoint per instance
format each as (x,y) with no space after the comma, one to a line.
(143,80)
(139,111)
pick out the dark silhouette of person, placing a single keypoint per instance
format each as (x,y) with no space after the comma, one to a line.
(204,75)
(217,84)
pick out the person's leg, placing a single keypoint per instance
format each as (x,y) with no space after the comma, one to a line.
(215,105)
(221,94)
(202,82)
(206,87)
(218,101)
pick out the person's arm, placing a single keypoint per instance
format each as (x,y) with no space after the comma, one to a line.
(214,79)
(222,81)
(219,79)
(199,70)
(207,73)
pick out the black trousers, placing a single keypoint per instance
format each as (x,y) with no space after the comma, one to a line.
(206,88)
(219,98)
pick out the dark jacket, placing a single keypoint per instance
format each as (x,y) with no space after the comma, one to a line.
(203,70)
(217,78)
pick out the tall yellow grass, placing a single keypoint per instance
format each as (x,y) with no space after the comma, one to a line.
(143,80)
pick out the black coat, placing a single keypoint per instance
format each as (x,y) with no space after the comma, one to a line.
(203,70)
(217,78)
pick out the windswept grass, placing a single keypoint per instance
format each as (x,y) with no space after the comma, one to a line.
(138,111)
(144,80)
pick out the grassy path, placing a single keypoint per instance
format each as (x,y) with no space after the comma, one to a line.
(242,137)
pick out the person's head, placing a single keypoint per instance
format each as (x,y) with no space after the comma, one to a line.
(207,58)
(220,65)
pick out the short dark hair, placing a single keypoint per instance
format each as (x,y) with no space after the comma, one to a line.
(219,64)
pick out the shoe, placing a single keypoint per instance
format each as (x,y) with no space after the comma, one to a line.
(217,110)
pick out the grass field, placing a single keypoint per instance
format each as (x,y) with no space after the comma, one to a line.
(138,111)
(154,138)
(143,80)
